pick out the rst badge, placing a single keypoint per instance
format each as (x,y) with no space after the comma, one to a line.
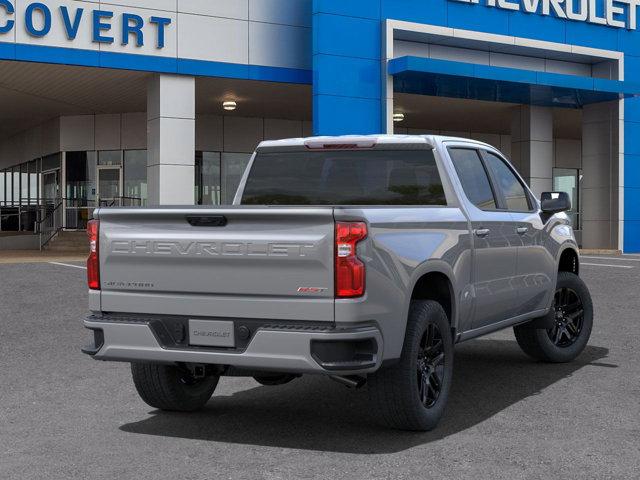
(311,290)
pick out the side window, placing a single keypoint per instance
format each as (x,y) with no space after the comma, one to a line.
(514,193)
(473,177)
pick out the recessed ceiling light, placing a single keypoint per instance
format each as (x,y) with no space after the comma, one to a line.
(229,106)
(398,117)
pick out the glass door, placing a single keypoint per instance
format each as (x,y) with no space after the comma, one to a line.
(50,216)
(109,186)
(568,180)
(51,186)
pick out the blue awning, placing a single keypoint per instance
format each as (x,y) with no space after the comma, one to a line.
(446,78)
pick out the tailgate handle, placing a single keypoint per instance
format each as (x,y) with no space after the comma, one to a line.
(207,220)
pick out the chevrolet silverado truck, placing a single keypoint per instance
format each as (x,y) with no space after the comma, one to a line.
(364,259)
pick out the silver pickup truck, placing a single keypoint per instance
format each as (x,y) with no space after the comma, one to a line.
(364,259)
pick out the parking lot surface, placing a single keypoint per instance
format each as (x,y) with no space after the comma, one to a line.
(65,416)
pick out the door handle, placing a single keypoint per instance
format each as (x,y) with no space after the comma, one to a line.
(522,230)
(482,232)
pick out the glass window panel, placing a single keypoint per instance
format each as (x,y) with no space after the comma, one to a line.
(109,184)
(92,161)
(50,186)
(110,157)
(24,183)
(197,188)
(2,188)
(233,166)
(80,178)
(345,178)
(208,186)
(8,186)
(473,177)
(51,162)
(80,184)
(16,186)
(135,177)
(513,191)
(33,181)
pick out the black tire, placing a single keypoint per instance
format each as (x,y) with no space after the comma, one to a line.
(395,391)
(573,321)
(273,380)
(172,387)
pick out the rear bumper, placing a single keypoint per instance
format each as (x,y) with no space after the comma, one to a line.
(293,349)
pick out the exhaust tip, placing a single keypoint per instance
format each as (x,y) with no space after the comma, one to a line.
(351,381)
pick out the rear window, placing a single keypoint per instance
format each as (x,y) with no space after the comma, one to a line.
(408,177)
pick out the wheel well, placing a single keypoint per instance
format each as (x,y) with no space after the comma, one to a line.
(569,261)
(437,287)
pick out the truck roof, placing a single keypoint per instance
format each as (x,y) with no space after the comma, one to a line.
(363,141)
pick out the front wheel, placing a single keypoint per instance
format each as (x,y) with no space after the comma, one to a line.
(412,394)
(573,321)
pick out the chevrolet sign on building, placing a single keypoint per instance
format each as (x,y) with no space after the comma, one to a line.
(155,102)
(614,13)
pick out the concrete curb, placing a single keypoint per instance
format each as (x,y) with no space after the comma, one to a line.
(599,251)
(30,256)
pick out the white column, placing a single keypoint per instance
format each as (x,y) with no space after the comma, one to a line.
(599,170)
(532,146)
(171,140)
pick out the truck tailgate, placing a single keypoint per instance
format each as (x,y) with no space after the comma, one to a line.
(235,262)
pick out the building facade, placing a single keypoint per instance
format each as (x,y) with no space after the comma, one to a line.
(144,102)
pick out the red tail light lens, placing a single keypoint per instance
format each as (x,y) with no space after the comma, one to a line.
(350,271)
(93,262)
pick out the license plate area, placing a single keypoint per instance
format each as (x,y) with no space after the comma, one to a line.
(211,333)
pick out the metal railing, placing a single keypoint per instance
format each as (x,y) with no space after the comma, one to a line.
(49,222)
(46,217)
(19,214)
(122,202)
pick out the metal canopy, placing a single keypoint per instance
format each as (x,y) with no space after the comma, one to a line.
(446,78)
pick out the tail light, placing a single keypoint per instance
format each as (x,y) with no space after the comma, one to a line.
(350,271)
(93,262)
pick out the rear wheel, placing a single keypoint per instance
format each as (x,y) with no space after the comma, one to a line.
(573,320)
(172,387)
(412,394)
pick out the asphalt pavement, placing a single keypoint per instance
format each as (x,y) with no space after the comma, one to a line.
(66,416)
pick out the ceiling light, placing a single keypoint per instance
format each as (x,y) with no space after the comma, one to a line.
(229,106)
(398,117)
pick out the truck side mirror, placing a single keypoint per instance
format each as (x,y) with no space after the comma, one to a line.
(555,202)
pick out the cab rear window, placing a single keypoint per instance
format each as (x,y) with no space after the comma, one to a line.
(336,177)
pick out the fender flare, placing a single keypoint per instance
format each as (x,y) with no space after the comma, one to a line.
(568,245)
(434,266)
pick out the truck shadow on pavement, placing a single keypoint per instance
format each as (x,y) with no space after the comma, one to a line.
(315,413)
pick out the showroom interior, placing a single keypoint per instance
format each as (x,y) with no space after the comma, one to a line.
(86,143)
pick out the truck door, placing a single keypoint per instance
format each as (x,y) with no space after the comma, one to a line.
(494,248)
(536,266)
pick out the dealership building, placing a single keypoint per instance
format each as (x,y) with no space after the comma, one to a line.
(155,102)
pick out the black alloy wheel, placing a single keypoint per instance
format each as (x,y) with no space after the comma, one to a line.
(412,394)
(431,366)
(569,318)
